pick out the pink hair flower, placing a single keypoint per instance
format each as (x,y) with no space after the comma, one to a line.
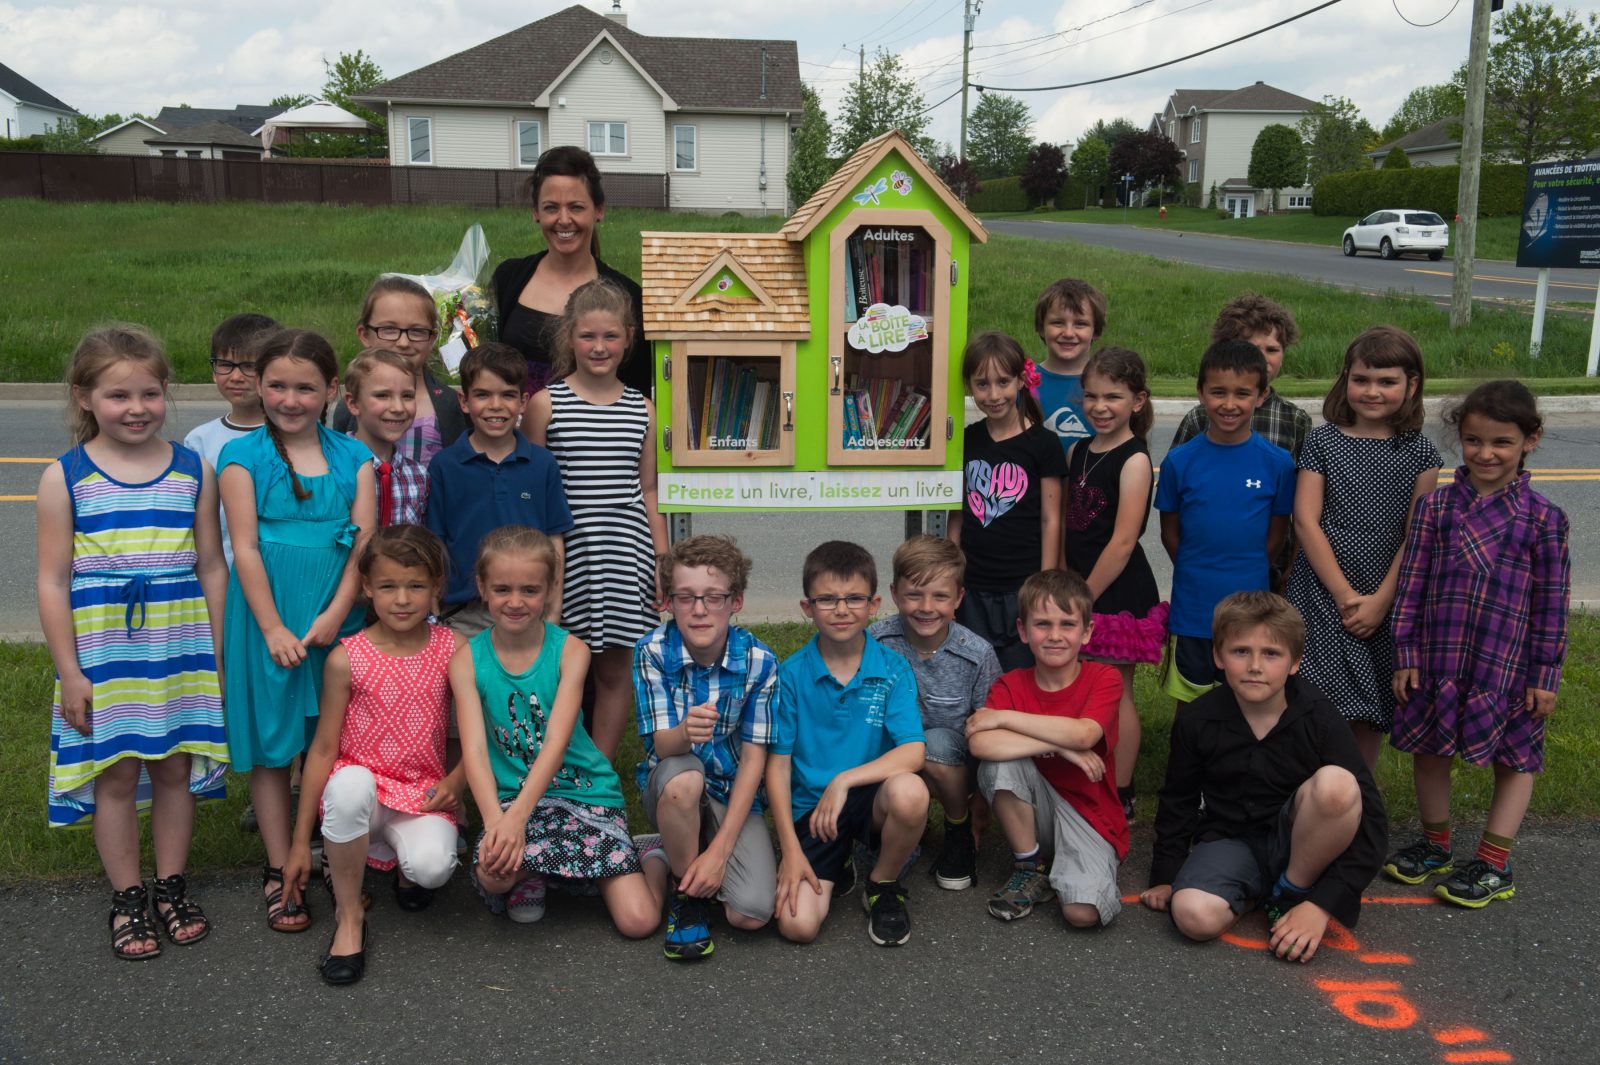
(1030,377)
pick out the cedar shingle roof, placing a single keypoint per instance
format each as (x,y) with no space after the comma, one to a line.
(516,67)
(28,92)
(672,263)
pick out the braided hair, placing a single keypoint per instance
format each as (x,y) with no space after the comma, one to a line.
(306,346)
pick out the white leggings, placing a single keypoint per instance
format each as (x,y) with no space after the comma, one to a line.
(424,845)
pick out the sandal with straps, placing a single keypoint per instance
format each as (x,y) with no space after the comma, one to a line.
(327,882)
(279,907)
(182,912)
(135,906)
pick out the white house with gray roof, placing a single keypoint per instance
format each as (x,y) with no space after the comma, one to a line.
(26,109)
(1215,129)
(712,116)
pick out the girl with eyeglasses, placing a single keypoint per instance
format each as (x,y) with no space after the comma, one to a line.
(399,314)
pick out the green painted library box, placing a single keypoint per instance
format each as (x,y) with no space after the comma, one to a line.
(818,367)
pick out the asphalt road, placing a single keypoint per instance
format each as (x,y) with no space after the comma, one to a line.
(1567,470)
(1416,982)
(1366,272)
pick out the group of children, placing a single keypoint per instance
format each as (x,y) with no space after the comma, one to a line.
(380,598)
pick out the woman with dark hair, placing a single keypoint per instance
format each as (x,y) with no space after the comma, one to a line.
(531,292)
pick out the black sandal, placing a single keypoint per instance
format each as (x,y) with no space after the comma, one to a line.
(135,906)
(173,893)
(279,907)
(327,882)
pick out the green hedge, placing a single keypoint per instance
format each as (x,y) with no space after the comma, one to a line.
(1005,194)
(1428,188)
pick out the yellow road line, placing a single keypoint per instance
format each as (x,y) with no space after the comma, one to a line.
(1508,280)
(41,461)
(18,499)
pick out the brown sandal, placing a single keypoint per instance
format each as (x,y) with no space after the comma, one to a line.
(280,907)
(182,912)
(135,906)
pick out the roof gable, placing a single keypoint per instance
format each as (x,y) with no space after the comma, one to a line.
(674,267)
(27,92)
(1433,135)
(152,125)
(861,163)
(522,65)
(604,38)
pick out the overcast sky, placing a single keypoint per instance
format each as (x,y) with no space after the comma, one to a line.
(105,56)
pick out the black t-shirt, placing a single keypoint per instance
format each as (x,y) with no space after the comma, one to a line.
(1001,512)
(530,331)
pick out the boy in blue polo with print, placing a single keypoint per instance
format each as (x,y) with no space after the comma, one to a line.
(705,690)
(491,477)
(1225,498)
(846,752)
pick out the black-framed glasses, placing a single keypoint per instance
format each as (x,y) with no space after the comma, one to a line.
(417,333)
(832,602)
(224,367)
(712,600)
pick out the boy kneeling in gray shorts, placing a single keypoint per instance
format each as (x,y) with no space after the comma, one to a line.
(704,690)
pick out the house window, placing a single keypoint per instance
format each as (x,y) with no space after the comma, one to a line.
(169,153)
(1299,201)
(419,133)
(685,148)
(529,143)
(194,153)
(1194,170)
(608,138)
(1194,131)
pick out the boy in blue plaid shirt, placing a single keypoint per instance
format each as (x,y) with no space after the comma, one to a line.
(705,690)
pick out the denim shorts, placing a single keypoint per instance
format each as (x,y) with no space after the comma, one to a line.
(945,746)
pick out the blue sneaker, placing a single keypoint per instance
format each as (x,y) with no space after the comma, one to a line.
(688,929)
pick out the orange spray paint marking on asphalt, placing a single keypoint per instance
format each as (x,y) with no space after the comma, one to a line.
(1386,959)
(1456,1036)
(1470,1056)
(1372,1003)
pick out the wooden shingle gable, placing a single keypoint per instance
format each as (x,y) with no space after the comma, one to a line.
(675,269)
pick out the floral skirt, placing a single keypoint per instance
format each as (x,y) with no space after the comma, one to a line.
(573,841)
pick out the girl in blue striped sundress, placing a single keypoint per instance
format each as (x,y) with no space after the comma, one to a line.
(131,579)
(601,432)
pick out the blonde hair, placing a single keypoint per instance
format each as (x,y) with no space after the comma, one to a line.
(600,296)
(361,367)
(517,540)
(97,352)
(925,558)
(1243,611)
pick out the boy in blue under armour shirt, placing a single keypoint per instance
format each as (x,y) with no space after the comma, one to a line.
(1225,498)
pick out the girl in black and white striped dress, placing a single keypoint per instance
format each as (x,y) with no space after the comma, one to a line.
(601,432)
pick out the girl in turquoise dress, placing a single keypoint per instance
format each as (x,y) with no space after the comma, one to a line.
(300,499)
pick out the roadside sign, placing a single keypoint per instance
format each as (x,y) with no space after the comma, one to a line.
(1561,228)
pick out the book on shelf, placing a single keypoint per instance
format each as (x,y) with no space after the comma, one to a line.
(886,410)
(891,271)
(732,407)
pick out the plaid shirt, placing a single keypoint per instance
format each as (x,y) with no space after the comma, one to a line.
(408,490)
(1483,589)
(744,687)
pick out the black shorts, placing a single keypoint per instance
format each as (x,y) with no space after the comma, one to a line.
(993,616)
(1243,869)
(828,857)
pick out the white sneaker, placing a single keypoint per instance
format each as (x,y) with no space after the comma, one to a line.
(525,902)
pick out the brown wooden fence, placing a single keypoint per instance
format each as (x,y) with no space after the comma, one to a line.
(110,178)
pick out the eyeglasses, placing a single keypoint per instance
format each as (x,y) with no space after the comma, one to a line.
(712,600)
(224,367)
(417,333)
(832,602)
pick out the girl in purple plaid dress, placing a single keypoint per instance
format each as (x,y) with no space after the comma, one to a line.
(1480,632)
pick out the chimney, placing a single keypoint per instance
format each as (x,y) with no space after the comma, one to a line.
(616,14)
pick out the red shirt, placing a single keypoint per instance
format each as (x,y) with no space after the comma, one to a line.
(1093,696)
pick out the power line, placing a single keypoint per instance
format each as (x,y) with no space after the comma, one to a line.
(1098,36)
(1158,66)
(1070,29)
(1424,25)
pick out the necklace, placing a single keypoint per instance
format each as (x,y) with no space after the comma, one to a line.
(1089,466)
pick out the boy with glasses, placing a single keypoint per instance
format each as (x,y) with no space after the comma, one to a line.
(704,690)
(847,748)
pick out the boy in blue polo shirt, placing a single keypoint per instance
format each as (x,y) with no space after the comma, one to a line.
(705,691)
(1225,498)
(847,748)
(491,477)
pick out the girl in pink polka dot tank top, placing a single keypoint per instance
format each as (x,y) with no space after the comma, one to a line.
(376,769)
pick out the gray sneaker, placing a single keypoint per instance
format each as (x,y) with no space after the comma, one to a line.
(1029,885)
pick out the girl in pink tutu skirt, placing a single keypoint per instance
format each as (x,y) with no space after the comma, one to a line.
(1107,501)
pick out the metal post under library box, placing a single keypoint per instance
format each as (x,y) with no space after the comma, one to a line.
(818,367)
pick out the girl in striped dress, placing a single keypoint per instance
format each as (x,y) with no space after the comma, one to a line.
(131,579)
(600,432)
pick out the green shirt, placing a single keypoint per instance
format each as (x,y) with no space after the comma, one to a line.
(516,713)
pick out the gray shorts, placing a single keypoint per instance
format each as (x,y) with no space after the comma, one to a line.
(1240,870)
(945,746)
(1084,866)
(750,883)
(468,618)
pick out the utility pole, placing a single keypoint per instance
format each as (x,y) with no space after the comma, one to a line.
(969,18)
(1471,160)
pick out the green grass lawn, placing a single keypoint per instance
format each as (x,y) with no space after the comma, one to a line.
(1497,237)
(1569,788)
(181,268)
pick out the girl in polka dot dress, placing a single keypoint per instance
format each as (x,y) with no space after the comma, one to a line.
(1360,473)
(376,769)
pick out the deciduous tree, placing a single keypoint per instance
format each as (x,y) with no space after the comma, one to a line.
(1043,174)
(1277,161)
(1423,106)
(809,165)
(998,135)
(1336,137)
(1150,157)
(1091,161)
(885,97)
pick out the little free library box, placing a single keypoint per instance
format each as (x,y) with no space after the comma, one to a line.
(818,367)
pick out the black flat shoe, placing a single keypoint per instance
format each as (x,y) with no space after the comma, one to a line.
(343,969)
(411,897)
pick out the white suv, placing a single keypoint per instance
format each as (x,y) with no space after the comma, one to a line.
(1393,233)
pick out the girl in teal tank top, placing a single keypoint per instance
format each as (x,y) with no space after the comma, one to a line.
(551,803)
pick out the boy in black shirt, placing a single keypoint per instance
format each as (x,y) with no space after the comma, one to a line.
(1291,817)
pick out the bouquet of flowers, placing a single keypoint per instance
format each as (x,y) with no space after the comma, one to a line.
(467,315)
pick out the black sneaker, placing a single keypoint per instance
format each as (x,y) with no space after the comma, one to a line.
(888,922)
(688,929)
(1476,884)
(1414,864)
(1278,903)
(957,859)
(847,878)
